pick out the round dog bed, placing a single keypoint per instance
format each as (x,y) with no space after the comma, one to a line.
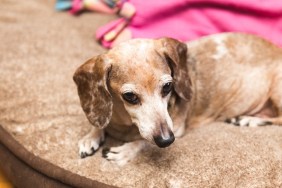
(42,121)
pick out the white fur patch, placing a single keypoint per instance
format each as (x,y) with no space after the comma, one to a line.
(249,121)
(128,88)
(125,48)
(166,78)
(221,49)
(125,153)
(90,142)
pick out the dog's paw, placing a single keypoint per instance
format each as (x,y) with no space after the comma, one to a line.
(122,154)
(89,144)
(248,121)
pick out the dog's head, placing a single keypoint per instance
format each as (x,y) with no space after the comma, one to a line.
(141,74)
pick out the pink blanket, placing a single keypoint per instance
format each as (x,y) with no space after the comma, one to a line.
(189,19)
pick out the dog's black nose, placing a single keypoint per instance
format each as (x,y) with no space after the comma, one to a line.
(163,142)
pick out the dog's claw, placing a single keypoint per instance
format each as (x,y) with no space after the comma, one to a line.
(82,155)
(105,151)
(228,120)
(85,154)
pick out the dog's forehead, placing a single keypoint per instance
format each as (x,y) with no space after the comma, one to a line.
(137,54)
(137,62)
(136,48)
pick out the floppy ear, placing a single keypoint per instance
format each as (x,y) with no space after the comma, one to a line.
(91,79)
(175,54)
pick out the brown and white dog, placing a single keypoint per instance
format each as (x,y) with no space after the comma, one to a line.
(150,89)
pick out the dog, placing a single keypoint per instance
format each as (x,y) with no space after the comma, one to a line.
(148,90)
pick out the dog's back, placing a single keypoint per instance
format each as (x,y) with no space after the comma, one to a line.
(234,75)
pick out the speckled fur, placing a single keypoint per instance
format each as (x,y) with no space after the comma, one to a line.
(220,81)
(235,75)
(142,66)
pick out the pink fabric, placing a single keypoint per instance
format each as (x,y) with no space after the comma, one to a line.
(104,30)
(189,19)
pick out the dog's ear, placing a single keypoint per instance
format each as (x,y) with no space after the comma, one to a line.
(91,79)
(175,53)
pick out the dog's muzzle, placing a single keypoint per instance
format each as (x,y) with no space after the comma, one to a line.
(164,141)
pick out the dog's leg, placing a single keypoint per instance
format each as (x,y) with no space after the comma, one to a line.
(90,143)
(123,154)
(178,110)
(248,121)
(276,99)
(179,124)
(270,114)
(179,130)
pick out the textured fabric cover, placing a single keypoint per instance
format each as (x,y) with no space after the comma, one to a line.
(190,19)
(42,120)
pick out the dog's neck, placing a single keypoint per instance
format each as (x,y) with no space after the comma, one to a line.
(191,106)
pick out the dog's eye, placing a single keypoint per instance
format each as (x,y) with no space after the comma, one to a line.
(130,97)
(166,89)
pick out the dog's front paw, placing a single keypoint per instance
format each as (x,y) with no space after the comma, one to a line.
(123,154)
(90,143)
(248,121)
